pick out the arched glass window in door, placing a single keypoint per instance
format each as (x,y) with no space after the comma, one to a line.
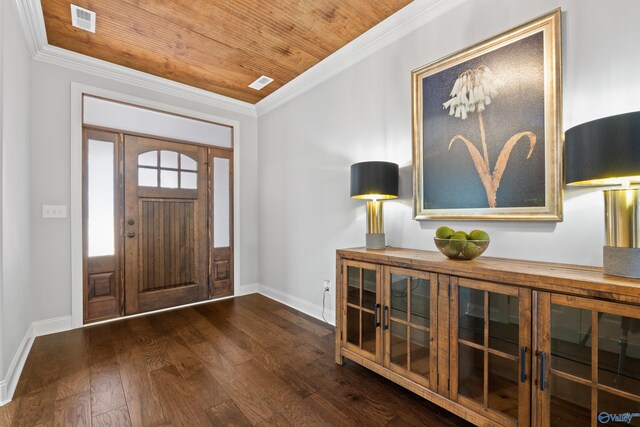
(167,169)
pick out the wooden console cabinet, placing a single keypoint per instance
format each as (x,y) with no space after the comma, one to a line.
(495,341)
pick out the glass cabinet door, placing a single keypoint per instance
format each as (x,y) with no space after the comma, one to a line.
(361,315)
(490,363)
(588,362)
(408,321)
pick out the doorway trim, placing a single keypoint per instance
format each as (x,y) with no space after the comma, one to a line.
(75,209)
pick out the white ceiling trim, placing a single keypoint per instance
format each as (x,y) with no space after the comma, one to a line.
(408,19)
(398,25)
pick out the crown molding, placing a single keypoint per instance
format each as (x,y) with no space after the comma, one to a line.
(406,20)
(66,58)
(32,20)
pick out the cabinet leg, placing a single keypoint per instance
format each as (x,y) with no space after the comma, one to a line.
(339,358)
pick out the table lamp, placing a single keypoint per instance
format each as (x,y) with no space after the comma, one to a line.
(606,153)
(374,182)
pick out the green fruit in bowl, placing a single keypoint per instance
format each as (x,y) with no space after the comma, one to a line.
(471,250)
(444,232)
(457,241)
(464,233)
(450,251)
(479,235)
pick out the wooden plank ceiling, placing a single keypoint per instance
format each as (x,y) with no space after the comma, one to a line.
(218,45)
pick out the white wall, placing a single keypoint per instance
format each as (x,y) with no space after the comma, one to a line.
(364,113)
(2,371)
(15,316)
(50,141)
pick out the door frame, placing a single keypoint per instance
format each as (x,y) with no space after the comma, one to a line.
(75,209)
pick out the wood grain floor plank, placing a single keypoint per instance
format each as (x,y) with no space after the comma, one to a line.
(275,421)
(177,403)
(36,408)
(107,392)
(7,413)
(142,399)
(227,414)
(247,361)
(116,418)
(73,411)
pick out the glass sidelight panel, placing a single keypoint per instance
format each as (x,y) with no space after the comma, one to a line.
(471,315)
(571,340)
(471,373)
(619,353)
(100,198)
(221,202)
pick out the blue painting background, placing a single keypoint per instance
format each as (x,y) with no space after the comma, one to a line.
(450,179)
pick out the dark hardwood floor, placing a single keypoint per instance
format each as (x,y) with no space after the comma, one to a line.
(244,361)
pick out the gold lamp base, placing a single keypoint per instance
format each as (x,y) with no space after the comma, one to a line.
(375,238)
(622,232)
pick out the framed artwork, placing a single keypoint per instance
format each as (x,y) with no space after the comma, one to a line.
(486,128)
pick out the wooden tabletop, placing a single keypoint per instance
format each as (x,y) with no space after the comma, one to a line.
(577,279)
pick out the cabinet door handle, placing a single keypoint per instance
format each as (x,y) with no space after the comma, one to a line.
(543,368)
(385,316)
(377,314)
(523,364)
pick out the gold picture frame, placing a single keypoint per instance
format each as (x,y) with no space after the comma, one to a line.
(487,128)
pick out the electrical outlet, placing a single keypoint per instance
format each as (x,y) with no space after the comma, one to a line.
(326,285)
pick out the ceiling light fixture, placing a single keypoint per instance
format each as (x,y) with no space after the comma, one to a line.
(83,18)
(261,82)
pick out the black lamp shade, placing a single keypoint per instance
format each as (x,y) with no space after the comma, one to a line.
(374,180)
(598,152)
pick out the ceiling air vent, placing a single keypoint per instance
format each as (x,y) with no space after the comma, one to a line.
(261,82)
(83,18)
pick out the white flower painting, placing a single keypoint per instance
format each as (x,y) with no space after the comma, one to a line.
(486,128)
(473,92)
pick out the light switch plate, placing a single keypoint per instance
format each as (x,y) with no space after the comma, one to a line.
(54,211)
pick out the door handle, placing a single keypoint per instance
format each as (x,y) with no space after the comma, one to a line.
(523,364)
(543,368)
(131,235)
(377,315)
(385,316)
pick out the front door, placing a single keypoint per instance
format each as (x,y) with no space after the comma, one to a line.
(165,224)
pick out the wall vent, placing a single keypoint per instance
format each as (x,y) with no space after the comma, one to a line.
(261,82)
(83,18)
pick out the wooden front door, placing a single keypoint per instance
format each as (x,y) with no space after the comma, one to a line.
(165,224)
